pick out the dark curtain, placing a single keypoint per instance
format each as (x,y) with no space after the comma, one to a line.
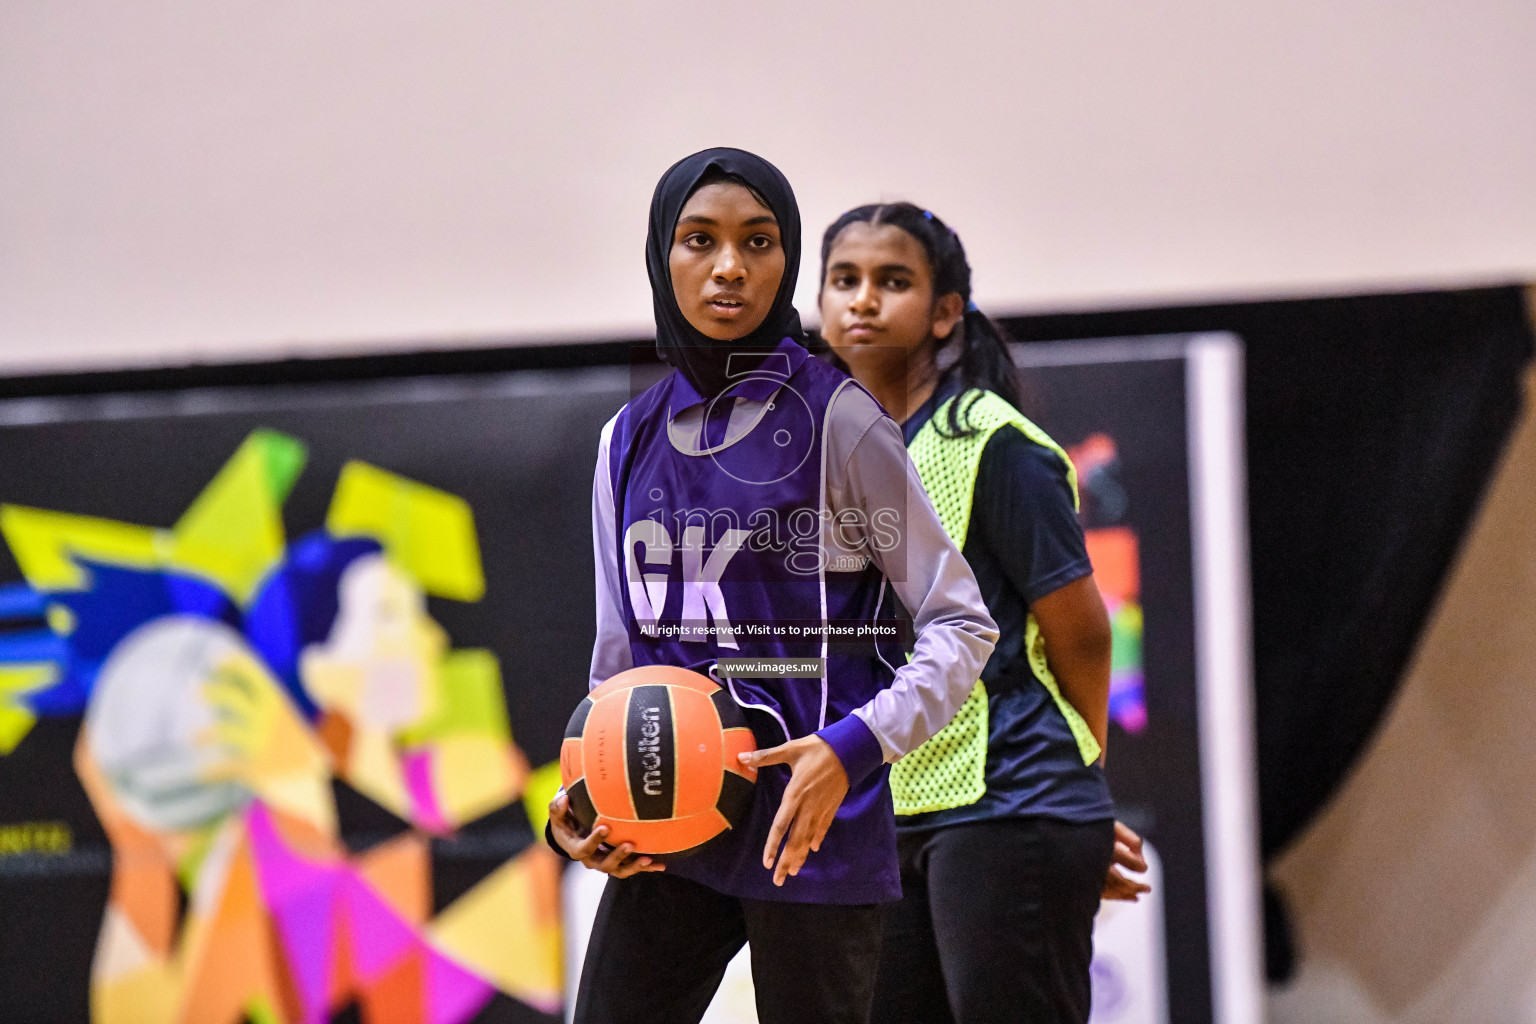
(1374,425)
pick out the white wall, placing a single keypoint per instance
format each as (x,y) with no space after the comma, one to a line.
(201,180)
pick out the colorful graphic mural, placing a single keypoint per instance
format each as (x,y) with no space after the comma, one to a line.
(242,696)
(1113,550)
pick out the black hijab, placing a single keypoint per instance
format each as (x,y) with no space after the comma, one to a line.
(698,357)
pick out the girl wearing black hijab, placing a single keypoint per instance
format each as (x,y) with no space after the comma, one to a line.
(755,504)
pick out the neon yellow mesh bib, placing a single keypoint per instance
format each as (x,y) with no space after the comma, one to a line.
(950,769)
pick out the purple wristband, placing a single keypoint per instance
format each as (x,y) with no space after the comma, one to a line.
(855,746)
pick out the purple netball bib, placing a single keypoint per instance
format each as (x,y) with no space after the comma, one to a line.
(723,557)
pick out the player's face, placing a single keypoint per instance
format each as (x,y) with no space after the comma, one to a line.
(726,261)
(878,310)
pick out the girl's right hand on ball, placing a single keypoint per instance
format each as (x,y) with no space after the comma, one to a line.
(619,861)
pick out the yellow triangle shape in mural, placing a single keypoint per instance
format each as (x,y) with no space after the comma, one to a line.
(46,544)
(233,532)
(15,717)
(543,783)
(507,928)
(426,532)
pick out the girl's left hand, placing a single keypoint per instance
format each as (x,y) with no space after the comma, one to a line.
(1117,886)
(817,785)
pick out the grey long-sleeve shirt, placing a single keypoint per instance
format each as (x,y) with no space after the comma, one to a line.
(867,468)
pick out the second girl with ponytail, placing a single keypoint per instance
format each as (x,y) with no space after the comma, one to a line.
(975,351)
(1005,823)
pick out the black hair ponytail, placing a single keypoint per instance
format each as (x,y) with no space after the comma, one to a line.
(982,360)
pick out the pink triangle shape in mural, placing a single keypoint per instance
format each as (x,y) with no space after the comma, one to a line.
(453,994)
(281,872)
(301,895)
(306,923)
(379,936)
(418,780)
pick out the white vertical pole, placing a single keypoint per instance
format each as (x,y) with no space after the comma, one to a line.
(1224,660)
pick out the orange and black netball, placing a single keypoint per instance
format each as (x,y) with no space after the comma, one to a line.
(652,754)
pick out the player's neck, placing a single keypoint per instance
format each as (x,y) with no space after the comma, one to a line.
(919,389)
(903,392)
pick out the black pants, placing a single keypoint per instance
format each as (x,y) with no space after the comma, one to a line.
(660,946)
(995,924)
